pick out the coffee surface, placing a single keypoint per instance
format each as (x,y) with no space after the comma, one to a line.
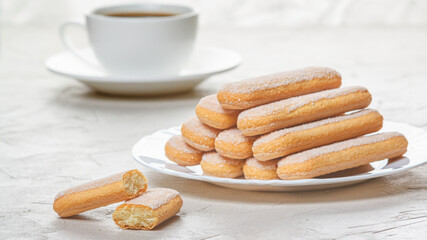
(140,14)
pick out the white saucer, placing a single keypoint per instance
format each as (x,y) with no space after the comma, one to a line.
(149,151)
(206,61)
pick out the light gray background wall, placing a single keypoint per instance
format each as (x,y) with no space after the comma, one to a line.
(245,13)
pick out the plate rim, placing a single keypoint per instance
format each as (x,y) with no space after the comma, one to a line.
(135,79)
(276,182)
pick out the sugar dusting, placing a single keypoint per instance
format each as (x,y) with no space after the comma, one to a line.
(92,184)
(263,165)
(200,128)
(336,147)
(294,103)
(280,133)
(211,103)
(215,158)
(233,136)
(272,81)
(154,197)
(178,142)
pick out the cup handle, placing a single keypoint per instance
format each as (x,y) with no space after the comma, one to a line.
(68,44)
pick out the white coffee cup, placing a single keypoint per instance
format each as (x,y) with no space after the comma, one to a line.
(146,46)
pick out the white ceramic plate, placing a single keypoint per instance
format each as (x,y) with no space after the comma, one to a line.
(149,151)
(205,62)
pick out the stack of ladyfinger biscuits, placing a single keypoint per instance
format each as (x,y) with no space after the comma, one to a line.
(142,209)
(291,125)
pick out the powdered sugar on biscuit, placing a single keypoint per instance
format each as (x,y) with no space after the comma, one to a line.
(201,129)
(211,103)
(154,197)
(272,81)
(92,185)
(233,136)
(294,103)
(280,133)
(262,165)
(336,147)
(215,158)
(178,143)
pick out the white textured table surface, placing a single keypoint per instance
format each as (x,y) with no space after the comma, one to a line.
(55,133)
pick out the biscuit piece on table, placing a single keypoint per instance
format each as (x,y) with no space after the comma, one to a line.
(216,165)
(266,170)
(302,109)
(149,210)
(115,188)
(273,87)
(181,153)
(199,135)
(315,134)
(210,112)
(232,143)
(342,155)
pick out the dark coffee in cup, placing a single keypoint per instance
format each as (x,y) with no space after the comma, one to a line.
(140,14)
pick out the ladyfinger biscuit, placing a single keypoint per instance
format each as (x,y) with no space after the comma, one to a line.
(270,88)
(342,155)
(315,134)
(210,112)
(199,135)
(101,192)
(302,109)
(216,165)
(150,209)
(181,153)
(232,143)
(266,170)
